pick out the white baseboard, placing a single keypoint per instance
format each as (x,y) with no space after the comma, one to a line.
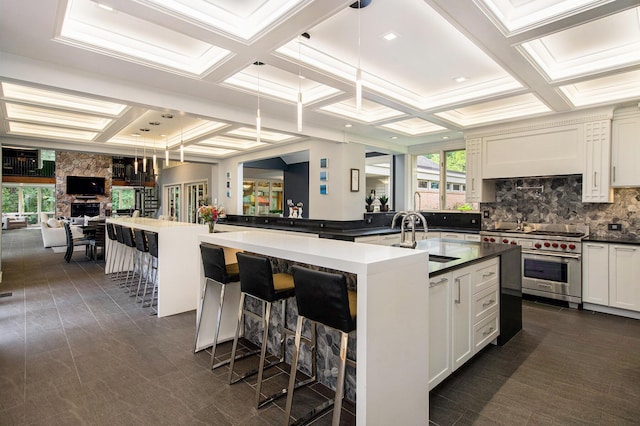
(613,311)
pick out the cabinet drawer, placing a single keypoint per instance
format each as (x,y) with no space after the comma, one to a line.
(485,331)
(486,302)
(485,275)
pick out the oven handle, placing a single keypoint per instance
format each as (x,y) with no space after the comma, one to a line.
(560,255)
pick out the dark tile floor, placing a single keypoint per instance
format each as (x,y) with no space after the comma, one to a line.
(76,349)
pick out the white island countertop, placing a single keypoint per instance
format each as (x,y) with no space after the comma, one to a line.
(392,323)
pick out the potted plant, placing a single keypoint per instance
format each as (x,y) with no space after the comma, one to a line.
(383,203)
(369,200)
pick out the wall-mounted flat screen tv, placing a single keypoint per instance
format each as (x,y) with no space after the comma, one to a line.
(85,185)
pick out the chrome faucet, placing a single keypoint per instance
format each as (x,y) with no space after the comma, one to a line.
(416,208)
(412,219)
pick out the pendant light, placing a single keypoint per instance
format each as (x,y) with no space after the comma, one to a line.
(144,156)
(135,163)
(358,70)
(181,142)
(258,117)
(299,105)
(166,151)
(155,159)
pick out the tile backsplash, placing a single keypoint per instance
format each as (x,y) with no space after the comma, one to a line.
(560,201)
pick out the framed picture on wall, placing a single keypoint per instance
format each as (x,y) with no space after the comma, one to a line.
(355,180)
(324,163)
(324,176)
(324,190)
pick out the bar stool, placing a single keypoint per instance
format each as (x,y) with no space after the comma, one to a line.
(129,241)
(120,248)
(217,271)
(152,242)
(142,251)
(258,280)
(323,298)
(113,247)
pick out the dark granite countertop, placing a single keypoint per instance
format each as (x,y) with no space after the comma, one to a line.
(630,241)
(465,252)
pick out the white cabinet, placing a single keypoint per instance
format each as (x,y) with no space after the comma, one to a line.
(439,329)
(610,278)
(595,273)
(452,235)
(472,237)
(624,270)
(462,343)
(464,313)
(625,150)
(595,180)
(477,190)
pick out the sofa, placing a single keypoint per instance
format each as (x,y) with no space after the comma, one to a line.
(53,231)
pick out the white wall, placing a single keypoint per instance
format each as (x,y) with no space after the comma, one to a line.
(188,173)
(339,204)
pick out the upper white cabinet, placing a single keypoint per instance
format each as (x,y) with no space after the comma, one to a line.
(625,150)
(595,180)
(556,150)
(478,190)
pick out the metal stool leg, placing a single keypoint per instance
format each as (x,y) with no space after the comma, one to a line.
(263,352)
(294,369)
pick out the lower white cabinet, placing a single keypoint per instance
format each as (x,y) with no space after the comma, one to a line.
(610,275)
(595,273)
(439,329)
(461,293)
(624,270)
(463,316)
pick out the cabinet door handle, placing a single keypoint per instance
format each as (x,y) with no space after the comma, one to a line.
(614,173)
(625,249)
(549,286)
(473,184)
(489,303)
(441,281)
(595,181)
(488,274)
(488,332)
(457,301)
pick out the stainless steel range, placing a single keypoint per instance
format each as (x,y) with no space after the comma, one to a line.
(551,257)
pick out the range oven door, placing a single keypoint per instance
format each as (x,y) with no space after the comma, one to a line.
(554,275)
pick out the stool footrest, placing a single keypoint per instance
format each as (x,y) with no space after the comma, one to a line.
(242,356)
(314,413)
(284,391)
(255,371)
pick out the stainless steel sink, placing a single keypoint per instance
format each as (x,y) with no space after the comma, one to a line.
(441,259)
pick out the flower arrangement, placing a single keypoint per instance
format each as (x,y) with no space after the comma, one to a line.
(209,214)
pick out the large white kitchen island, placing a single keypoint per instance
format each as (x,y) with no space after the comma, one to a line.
(392,322)
(179,261)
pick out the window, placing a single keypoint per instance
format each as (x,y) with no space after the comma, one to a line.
(123,198)
(28,201)
(448,168)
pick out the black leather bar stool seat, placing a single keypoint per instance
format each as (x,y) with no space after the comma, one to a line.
(323,298)
(258,280)
(216,271)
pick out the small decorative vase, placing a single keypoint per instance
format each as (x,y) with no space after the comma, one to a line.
(211,225)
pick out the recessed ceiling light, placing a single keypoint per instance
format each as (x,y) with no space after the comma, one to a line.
(389,36)
(348,125)
(394,137)
(460,79)
(135,134)
(445,137)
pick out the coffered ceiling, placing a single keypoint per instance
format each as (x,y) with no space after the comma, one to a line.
(123,75)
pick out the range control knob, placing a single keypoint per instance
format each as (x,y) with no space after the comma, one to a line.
(572,246)
(514,243)
(493,240)
(537,245)
(505,241)
(563,246)
(547,244)
(554,245)
(486,238)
